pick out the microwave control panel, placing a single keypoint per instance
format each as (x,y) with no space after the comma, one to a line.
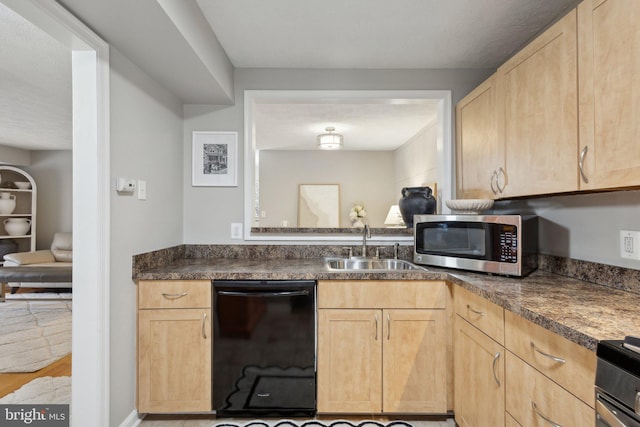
(508,243)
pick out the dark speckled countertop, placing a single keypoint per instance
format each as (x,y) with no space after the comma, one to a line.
(578,310)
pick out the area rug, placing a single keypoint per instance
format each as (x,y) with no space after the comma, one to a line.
(313,423)
(45,390)
(33,334)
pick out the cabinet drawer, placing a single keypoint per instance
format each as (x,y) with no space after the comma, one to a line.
(481,313)
(530,396)
(174,294)
(381,294)
(542,349)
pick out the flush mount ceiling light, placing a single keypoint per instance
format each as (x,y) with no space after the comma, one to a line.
(330,140)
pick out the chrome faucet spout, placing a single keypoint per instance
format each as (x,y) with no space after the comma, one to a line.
(366,234)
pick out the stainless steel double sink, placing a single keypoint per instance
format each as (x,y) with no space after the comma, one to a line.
(370,264)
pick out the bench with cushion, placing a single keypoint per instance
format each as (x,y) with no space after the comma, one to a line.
(45,268)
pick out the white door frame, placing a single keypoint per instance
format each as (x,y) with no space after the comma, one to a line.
(90,82)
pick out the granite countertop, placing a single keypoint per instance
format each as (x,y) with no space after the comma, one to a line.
(580,311)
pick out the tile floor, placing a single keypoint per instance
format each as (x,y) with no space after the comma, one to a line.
(199,421)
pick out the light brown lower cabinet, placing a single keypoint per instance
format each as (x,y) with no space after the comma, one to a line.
(534,400)
(373,359)
(381,361)
(174,346)
(479,377)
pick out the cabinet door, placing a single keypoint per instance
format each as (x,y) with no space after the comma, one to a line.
(479,377)
(174,360)
(540,127)
(609,46)
(479,152)
(349,361)
(414,373)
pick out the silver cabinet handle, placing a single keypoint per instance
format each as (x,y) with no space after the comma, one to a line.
(479,313)
(204,326)
(388,326)
(503,173)
(583,153)
(174,296)
(376,317)
(550,356)
(495,361)
(494,177)
(543,416)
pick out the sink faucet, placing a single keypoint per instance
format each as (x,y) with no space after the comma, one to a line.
(366,234)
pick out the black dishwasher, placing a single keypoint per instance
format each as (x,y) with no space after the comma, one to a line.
(264,348)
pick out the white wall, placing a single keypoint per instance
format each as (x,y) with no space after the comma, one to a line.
(363,176)
(584,226)
(416,161)
(53,172)
(209,211)
(14,156)
(146,143)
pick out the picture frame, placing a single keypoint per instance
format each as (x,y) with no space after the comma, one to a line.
(319,205)
(214,159)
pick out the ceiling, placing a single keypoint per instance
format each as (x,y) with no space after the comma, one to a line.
(192,47)
(373,125)
(35,86)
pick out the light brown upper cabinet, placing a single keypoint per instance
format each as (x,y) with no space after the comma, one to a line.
(538,88)
(479,151)
(609,45)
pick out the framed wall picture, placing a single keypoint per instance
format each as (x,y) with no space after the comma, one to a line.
(319,205)
(214,160)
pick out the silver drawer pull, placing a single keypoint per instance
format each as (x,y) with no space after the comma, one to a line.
(174,296)
(388,326)
(495,360)
(204,326)
(479,313)
(544,417)
(550,356)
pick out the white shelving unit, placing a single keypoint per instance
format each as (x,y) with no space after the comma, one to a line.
(25,206)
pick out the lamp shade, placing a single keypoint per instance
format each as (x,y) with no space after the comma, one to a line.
(394,217)
(330,140)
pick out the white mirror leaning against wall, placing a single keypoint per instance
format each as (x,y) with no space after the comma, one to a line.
(391,139)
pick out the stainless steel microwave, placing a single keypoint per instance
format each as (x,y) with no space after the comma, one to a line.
(499,244)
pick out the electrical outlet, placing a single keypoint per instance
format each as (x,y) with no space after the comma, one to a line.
(630,244)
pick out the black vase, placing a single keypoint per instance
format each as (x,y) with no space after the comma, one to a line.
(416,201)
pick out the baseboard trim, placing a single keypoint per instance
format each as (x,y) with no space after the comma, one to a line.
(133,420)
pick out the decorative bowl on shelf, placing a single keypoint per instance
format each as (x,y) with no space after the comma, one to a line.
(469,206)
(23,185)
(17,226)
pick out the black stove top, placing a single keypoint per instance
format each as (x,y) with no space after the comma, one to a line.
(615,353)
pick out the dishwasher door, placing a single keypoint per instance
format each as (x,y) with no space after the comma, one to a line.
(264,348)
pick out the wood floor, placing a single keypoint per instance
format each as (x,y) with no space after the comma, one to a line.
(13,381)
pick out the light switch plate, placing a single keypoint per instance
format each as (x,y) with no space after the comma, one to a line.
(236,230)
(142,190)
